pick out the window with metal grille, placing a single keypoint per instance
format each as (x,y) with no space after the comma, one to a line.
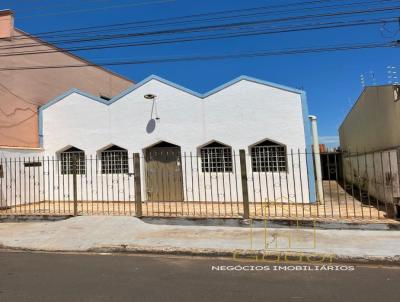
(216,157)
(268,156)
(67,158)
(114,160)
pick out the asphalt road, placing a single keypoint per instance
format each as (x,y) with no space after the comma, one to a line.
(65,277)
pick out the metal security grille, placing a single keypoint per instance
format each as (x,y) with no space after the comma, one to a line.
(114,162)
(67,164)
(268,159)
(216,159)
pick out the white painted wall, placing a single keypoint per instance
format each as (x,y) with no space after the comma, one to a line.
(7,153)
(240,115)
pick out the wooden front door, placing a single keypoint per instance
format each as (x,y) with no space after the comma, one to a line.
(164,174)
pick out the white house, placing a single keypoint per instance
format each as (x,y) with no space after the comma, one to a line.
(188,138)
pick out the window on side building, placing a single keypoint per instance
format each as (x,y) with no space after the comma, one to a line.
(268,156)
(216,157)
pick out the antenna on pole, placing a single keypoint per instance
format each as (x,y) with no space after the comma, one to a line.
(392,75)
(373,79)
(395,79)
(362,80)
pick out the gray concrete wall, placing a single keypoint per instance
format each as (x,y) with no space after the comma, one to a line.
(374,173)
(373,124)
(370,136)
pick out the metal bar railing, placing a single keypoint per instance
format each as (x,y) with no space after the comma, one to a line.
(263,184)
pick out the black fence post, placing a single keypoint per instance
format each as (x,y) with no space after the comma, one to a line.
(137,184)
(74,184)
(245,190)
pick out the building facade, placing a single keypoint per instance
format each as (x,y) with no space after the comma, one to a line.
(166,123)
(243,114)
(23,91)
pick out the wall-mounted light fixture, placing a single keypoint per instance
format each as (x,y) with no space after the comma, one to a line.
(150,96)
(153,98)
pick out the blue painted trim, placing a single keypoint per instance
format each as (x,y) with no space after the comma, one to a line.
(68,93)
(56,100)
(154,77)
(310,160)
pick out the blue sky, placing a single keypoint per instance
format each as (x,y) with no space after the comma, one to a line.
(332,80)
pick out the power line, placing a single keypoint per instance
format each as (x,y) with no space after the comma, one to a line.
(219,57)
(230,26)
(98,9)
(296,28)
(214,27)
(189,18)
(152,21)
(227,17)
(18,97)
(58,5)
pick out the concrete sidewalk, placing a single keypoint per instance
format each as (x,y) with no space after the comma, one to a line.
(129,234)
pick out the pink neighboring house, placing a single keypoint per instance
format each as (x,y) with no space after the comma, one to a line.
(23,91)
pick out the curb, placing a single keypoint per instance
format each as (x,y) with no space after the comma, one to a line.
(32,218)
(279,257)
(248,255)
(234,222)
(276,223)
